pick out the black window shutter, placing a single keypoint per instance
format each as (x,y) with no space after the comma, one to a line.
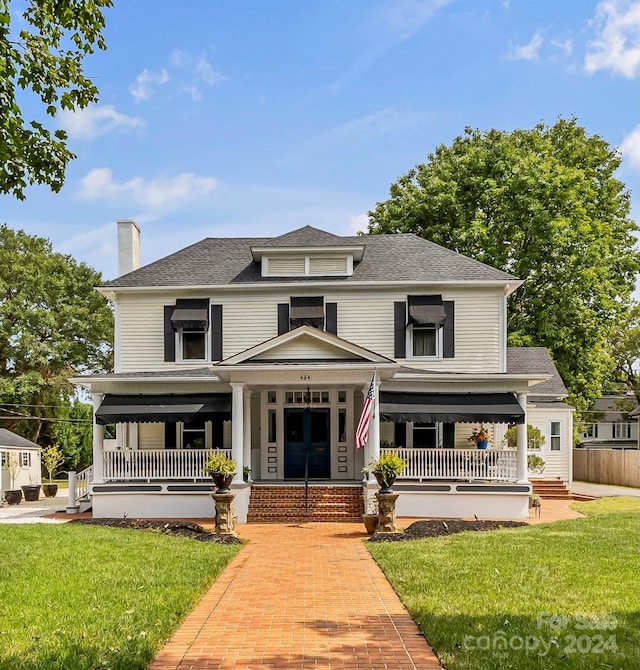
(217,432)
(400,434)
(169,335)
(448,349)
(400,329)
(448,435)
(331,316)
(216,332)
(169,435)
(283,318)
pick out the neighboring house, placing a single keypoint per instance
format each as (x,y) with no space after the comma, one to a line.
(26,457)
(266,347)
(613,425)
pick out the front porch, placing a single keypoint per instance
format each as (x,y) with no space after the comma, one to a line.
(161,483)
(147,465)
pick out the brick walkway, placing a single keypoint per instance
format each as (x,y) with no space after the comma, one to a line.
(299,596)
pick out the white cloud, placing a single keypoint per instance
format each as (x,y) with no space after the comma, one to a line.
(96,120)
(207,74)
(97,242)
(565,46)
(156,194)
(617,43)
(406,17)
(194,92)
(630,147)
(527,51)
(145,83)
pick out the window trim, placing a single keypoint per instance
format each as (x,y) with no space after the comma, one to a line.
(180,431)
(180,347)
(25,459)
(617,425)
(557,435)
(439,343)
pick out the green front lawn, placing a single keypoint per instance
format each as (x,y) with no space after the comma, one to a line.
(561,595)
(83,597)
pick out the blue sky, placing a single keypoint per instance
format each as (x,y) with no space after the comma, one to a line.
(246,118)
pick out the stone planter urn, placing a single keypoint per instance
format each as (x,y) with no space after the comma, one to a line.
(387,512)
(225,520)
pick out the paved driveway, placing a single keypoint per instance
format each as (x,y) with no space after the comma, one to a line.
(604,490)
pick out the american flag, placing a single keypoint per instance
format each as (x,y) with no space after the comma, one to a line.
(362,431)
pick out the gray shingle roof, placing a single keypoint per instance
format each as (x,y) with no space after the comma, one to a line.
(610,406)
(400,257)
(307,236)
(528,360)
(9,439)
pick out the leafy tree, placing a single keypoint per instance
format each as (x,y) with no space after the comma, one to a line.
(52,324)
(74,433)
(544,205)
(625,346)
(43,55)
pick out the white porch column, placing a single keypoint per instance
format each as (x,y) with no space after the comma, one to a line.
(372,448)
(521,442)
(98,441)
(237,429)
(246,450)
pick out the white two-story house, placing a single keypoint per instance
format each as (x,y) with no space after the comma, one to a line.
(266,347)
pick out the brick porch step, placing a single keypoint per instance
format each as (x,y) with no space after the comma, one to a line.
(550,488)
(286,504)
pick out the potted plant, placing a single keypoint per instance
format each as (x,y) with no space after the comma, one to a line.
(52,459)
(221,469)
(480,436)
(246,471)
(535,464)
(370,516)
(386,468)
(13,496)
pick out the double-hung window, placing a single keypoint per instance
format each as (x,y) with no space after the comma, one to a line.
(555,435)
(621,431)
(426,318)
(190,321)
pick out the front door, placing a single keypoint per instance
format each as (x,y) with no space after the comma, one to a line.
(306,444)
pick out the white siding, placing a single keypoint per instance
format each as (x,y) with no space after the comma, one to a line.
(364,318)
(304,347)
(247,323)
(556,463)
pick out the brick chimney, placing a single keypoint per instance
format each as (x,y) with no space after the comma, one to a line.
(128,246)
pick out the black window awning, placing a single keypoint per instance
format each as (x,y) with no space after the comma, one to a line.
(426,310)
(450,407)
(190,319)
(163,408)
(190,314)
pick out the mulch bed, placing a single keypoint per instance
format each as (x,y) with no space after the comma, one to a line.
(178,528)
(437,528)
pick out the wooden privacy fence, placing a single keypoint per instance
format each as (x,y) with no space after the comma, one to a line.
(620,467)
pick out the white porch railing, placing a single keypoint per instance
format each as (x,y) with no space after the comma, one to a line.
(83,479)
(458,463)
(148,464)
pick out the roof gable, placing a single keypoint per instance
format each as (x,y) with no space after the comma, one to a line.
(305,344)
(527,360)
(10,439)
